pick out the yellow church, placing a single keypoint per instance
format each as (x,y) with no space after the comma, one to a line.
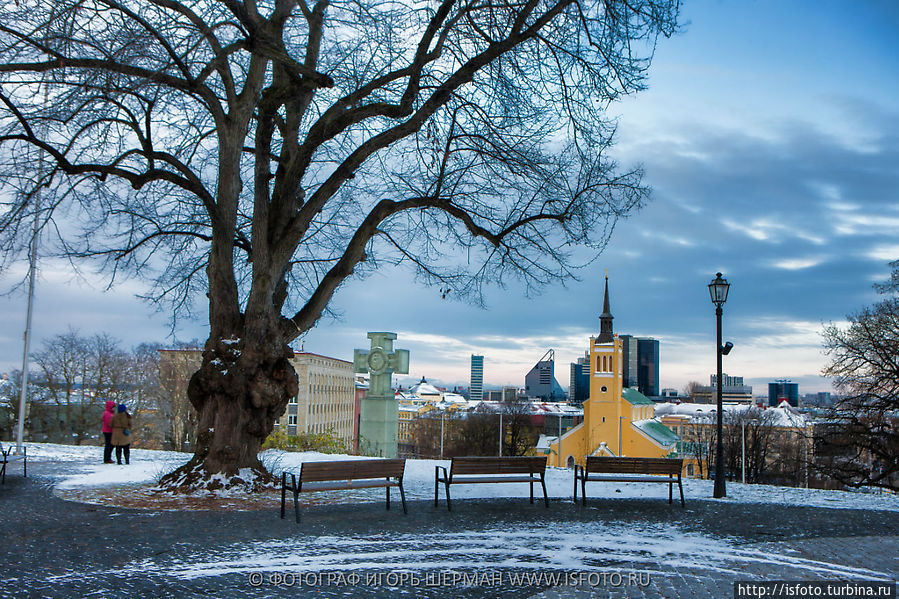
(618,421)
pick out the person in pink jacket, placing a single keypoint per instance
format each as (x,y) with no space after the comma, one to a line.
(107,431)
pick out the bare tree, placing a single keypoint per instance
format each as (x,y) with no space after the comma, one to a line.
(518,425)
(754,430)
(691,388)
(79,375)
(263,152)
(859,445)
(145,396)
(700,436)
(176,366)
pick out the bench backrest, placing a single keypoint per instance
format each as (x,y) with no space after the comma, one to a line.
(497,465)
(612,465)
(352,469)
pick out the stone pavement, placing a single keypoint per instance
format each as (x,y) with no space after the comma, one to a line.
(484,548)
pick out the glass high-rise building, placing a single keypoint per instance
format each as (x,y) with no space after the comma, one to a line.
(648,366)
(629,361)
(579,383)
(476,392)
(783,390)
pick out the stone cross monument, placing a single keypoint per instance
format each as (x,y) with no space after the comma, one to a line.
(379,412)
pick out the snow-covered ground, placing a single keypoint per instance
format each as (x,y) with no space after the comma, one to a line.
(147,466)
(666,555)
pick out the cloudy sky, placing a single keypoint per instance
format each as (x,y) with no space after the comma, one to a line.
(770,137)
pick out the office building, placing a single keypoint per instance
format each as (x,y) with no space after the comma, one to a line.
(726,380)
(541,382)
(648,366)
(783,389)
(629,361)
(579,382)
(476,383)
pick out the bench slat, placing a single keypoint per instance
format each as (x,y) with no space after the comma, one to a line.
(465,480)
(630,479)
(497,465)
(625,465)
(348,484)
(351,469)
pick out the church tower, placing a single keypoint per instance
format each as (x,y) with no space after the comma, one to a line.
(617,421)
(602,412)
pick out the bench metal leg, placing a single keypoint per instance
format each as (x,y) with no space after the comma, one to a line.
(681,488)
(296,497)
(448,508)
(403,497)
(283,492)
(388,498)
(584,488)
(545,496)
(575,484)
(436,483)
(531,484)
(670,488)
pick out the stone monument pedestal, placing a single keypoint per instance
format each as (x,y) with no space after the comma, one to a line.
(378,426)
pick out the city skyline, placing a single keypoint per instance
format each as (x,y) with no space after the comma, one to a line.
(771,161)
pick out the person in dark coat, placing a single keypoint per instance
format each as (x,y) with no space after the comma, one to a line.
(121,434)
(107,431)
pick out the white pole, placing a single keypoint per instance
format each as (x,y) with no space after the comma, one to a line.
(20,431)
(743,459)
(500,434)
(32,269)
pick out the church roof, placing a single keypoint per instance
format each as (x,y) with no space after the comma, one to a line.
(657,431)
(635,398)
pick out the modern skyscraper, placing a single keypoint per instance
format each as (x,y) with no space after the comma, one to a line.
(648,366)
(476,384)
(579,383)
(629,361)
(783,389)
(541,381)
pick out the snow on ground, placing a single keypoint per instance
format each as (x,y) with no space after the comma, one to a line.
(147,466)
(659,550)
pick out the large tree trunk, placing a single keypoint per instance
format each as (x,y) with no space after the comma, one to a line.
(242,387)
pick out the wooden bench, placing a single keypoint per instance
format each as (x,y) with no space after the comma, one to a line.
(473,470)
(8,456)
(344,474)
(640,470)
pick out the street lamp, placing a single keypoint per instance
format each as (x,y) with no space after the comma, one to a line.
(718,289)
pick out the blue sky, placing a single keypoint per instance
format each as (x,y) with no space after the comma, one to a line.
(770,137)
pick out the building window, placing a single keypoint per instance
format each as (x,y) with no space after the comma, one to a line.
(293,400)
(292,420)
(603,389)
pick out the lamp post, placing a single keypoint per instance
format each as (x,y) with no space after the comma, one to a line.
(718,291)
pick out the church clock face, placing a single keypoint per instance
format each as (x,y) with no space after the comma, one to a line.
(377,361)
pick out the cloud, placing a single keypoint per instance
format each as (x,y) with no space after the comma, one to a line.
(797,263)
(883,253)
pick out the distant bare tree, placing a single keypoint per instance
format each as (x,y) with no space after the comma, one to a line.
(176,366)
(263,153)
(698,442)
(758,428)
(691,388)
(859,446)
(518,424)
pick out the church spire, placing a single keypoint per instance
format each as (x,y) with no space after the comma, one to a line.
(605,319)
